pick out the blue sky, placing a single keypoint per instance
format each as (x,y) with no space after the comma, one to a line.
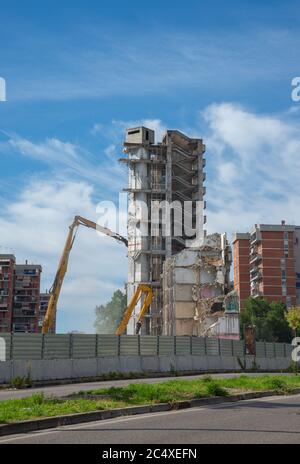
(78,73)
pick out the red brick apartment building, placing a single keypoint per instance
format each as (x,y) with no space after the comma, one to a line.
(44,300)
(267,263)
(20,300)
(26,298)
(7,266)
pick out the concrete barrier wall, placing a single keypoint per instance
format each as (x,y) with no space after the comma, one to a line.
(59,369)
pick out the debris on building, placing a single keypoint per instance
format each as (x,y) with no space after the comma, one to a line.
(196,291)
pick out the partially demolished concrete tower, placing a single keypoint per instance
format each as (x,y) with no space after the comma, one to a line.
(195,282)
(170,171)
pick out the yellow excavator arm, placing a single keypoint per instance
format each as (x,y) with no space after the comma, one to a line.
(141,289)
(50,316)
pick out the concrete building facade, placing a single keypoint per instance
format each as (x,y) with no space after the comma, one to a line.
(272,255)
(171,172)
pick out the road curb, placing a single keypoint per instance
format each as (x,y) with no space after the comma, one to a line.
(72,419)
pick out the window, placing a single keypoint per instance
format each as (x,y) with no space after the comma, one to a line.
(30,271)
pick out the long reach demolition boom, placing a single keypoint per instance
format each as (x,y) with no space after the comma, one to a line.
(49,321)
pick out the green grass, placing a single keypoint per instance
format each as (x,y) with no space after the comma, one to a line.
(37,406)
(170,391)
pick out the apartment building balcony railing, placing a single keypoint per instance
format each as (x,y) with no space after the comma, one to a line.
(255,238)
(25,298)
(24,314)
(255,275)
(255,258)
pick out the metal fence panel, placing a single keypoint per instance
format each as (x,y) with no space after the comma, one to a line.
(62,346)
(183,345)
(288,350)
(166,345)
(260,349)
(57,346)
(27,346)
(107,345)
(198,346)
(212,346)
(7,338)
(279,350)
(84,346)
(238,347)
(226,347)
(148,345)
(270,352)
(129,345)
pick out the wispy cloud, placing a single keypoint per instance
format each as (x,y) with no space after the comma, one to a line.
(71,159)
(155,64)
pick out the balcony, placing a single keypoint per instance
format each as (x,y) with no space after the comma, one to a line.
(255,257)
(255,238)
(255,275)
(257,294)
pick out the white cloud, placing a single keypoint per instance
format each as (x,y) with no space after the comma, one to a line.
(253,167)
(71,159)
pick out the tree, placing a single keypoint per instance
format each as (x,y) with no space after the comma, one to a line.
(268,318)
(109,316)
(293,319)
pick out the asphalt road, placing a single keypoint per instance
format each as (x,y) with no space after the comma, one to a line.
(68,389)
(266,420)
